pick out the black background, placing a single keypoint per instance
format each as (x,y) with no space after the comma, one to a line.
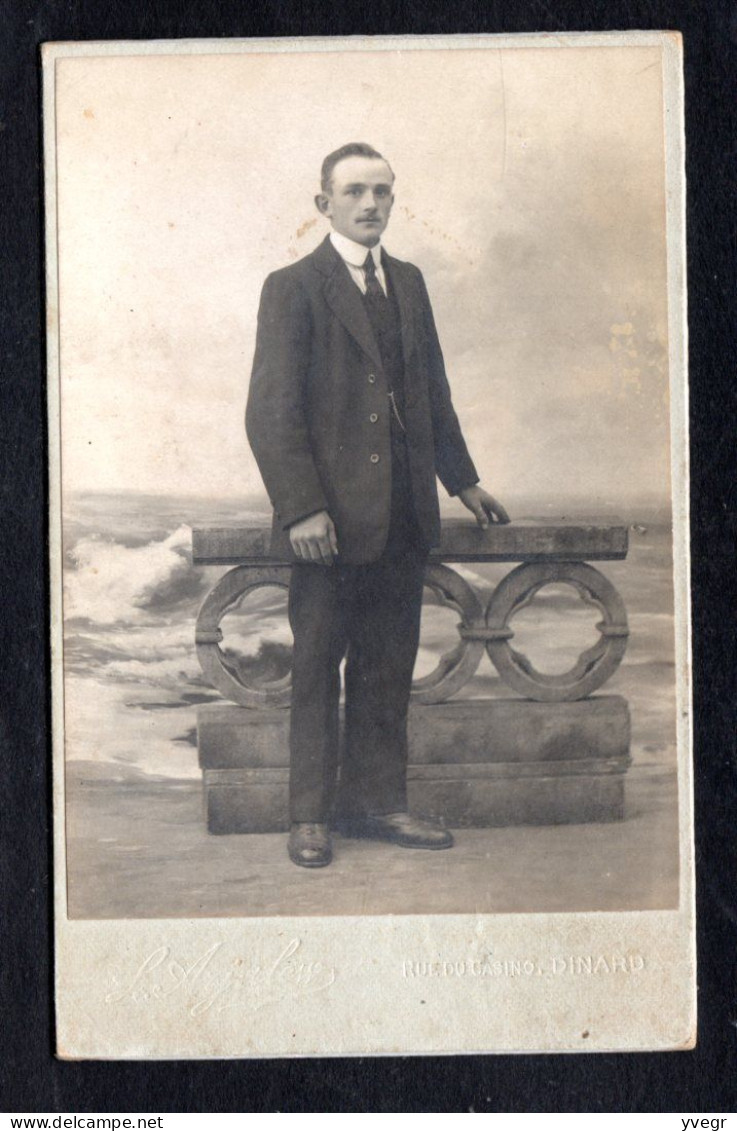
(704,1079)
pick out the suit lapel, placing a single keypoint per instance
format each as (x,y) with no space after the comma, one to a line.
(395,271)
(344,298)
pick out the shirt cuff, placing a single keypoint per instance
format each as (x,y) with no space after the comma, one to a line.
(293,521)
(457,490)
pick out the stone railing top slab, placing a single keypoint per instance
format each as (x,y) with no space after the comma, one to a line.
(524,540)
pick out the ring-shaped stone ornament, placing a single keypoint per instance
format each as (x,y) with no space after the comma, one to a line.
(456,667)
(593,667)
(229,591)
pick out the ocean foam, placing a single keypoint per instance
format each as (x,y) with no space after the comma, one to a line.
(115,583)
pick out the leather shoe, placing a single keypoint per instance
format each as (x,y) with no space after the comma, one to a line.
(309,845)
(398,828)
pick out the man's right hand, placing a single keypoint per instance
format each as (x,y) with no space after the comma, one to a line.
(314,540)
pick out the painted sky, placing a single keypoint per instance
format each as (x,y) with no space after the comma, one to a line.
(529,191)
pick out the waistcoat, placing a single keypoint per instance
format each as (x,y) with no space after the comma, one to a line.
(385,322)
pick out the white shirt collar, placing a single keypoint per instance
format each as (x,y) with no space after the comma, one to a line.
(354,253)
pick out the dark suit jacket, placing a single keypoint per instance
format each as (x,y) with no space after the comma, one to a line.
(318,412)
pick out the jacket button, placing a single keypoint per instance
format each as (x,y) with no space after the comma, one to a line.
(374,458)
(374,417)
(372,378)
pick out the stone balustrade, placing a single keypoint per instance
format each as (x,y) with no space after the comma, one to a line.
(553,754)
(549,553)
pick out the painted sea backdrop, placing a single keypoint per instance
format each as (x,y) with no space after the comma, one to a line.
(131,596)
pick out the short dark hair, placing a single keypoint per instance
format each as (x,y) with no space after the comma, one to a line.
(352,149)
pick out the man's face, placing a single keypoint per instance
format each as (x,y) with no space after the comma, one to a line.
(360,199)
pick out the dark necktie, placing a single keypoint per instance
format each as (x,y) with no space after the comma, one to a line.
(380,316)
(374,288)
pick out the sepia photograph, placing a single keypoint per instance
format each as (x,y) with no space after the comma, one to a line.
(370,538)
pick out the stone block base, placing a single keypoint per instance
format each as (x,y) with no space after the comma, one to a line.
(475,763)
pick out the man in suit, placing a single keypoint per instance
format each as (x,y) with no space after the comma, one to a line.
(350,420)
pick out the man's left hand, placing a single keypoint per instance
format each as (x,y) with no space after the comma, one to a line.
(484,506)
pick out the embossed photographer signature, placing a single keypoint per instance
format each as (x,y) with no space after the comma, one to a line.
(219,982)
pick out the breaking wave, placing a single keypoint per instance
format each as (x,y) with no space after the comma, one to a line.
(112,583)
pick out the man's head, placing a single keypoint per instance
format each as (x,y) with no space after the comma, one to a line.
(356,192)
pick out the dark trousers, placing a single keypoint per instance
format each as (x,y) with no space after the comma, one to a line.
(369,614)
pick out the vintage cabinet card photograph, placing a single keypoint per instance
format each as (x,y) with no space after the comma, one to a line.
(369,546)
